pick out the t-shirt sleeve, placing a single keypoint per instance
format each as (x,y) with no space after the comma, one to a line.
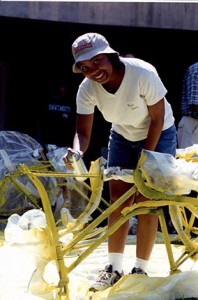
(152,88)
(85,104)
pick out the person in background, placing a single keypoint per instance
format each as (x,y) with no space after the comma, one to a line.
(187,131)
(58,114)
(131,96)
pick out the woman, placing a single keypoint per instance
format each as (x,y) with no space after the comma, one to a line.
(130,95)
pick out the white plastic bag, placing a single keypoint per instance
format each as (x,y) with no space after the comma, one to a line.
(27,250)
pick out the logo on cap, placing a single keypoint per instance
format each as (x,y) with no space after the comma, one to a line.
(82,47)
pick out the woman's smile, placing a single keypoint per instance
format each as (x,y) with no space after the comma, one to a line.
(99,77)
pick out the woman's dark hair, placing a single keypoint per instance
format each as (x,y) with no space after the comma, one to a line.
(115,60)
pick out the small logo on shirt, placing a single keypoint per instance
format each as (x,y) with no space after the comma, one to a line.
(58,107)
(132,106)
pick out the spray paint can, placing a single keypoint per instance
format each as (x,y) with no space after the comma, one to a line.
(77,163)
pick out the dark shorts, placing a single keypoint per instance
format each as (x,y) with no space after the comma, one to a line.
(125,154)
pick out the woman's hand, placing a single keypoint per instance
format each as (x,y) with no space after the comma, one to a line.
(67,161)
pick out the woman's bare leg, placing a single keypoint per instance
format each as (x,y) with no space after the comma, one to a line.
(116,241)
(146,233)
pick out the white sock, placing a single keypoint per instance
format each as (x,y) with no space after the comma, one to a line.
(141,263)
(115,259)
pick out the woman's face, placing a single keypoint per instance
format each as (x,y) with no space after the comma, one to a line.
(98,68)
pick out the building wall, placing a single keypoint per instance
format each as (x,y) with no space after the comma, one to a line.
(177,15)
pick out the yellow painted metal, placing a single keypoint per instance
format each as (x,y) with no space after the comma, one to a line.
(83,235)
(61,267)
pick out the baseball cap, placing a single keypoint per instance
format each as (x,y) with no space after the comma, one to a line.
(87,46)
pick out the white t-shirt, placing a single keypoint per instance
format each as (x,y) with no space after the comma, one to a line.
(127,108)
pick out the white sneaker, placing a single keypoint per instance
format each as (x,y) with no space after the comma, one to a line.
(106,278)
